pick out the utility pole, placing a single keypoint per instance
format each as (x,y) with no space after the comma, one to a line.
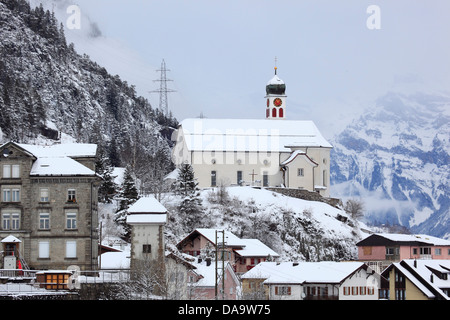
(218,253)
(163,90)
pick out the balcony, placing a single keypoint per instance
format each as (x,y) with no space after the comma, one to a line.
(321,297)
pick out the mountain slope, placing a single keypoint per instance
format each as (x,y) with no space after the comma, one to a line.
(47,88)
(395,157)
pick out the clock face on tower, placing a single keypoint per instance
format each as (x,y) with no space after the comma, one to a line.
(277,102)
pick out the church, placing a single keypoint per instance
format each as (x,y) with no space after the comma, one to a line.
(268,152)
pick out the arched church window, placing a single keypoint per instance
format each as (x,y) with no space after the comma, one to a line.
(280,113)
(274,113)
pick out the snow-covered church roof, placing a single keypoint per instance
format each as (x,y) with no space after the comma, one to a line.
(253,135)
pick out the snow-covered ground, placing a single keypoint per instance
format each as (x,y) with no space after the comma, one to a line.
(294,228)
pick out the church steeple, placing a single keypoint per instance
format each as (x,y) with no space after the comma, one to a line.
(275,98)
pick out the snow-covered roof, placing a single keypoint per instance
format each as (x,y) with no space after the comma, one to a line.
(252,135)
(231,240)
(398,237)
(57,160)
(10,239)
(73,150)
(243,247)
(420,273)
(147,204)
(150,218)
(59,166)
(298,153)
(173,175)
(115,260)
(275,80)
(255,248)
(303,272)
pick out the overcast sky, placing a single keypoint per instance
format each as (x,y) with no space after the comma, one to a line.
(221,53)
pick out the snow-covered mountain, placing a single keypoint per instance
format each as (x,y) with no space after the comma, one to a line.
(395,158)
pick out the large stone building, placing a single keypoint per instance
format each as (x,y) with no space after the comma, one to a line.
(273,152)
(48,206)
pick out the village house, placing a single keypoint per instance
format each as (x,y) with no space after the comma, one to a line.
(381,249)
(325,280)
(49,204)
(208,281)
(243,254)
(270,152)
(415,279)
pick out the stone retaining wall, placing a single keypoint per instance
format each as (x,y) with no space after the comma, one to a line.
(307,195)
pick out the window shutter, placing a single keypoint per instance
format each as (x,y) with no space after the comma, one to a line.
(276,291)
(44,249)
(71,249)
(289,291)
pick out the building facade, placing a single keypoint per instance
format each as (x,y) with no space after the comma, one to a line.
(311,281)
(270,152)
(49,199)
(242,254)
(380,250)
(413,279)
(147,218)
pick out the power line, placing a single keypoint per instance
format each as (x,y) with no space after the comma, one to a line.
(163,90)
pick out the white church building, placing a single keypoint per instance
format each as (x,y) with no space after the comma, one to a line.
(270,152)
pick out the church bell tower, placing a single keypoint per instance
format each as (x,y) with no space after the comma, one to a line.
(275,98)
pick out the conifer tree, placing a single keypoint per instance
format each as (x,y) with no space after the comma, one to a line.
(108,188)
(191,206)
(186,183)
(128,196)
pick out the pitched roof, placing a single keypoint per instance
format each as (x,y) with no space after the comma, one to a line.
(59,166)
(406,239)
(250,135)
(147,210)
(421,274)
(147,204)
(243,247)
(255,248)
(303,272)
(56,160)
(72,150)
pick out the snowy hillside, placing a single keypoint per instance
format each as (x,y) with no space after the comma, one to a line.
(294,228)
(395,157)
(47,89)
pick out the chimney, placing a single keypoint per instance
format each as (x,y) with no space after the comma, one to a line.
(415,263)
(431,278)
(208,262)
(295,263)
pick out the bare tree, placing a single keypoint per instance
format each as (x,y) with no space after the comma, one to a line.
(355,208)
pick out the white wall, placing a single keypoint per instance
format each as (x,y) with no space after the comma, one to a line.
(358,280)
